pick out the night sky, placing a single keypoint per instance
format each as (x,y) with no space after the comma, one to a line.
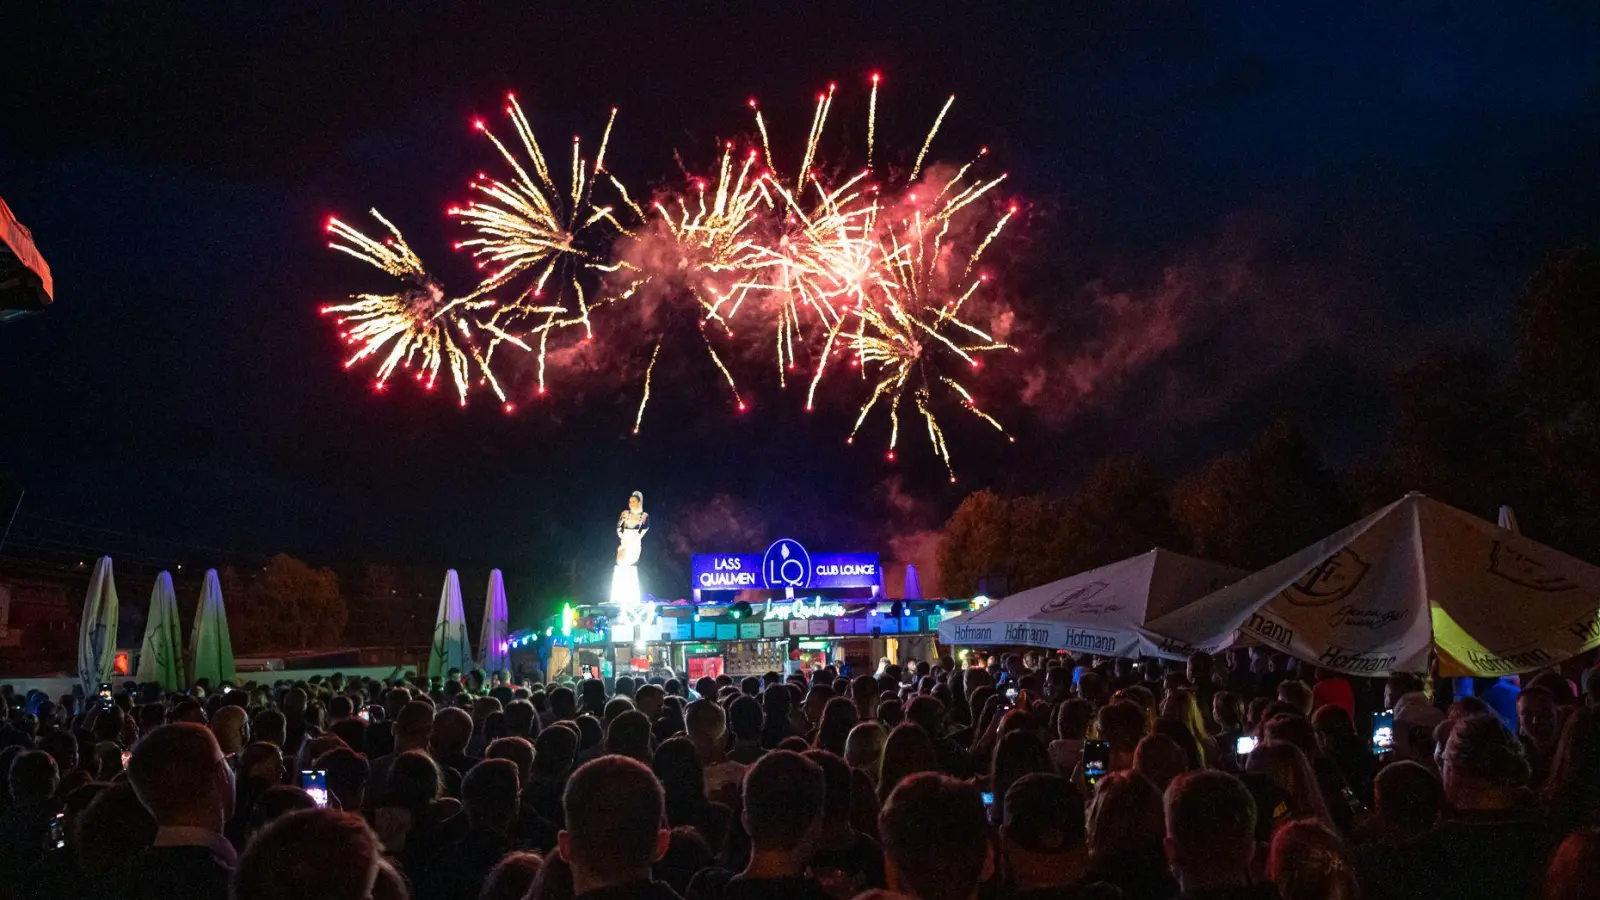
(1231,211)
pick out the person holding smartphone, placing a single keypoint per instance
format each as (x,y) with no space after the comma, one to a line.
(1121,725)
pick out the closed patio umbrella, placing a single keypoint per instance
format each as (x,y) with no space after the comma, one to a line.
(210,648)
(161,653)
(492,640)
(97,632)
(449,649)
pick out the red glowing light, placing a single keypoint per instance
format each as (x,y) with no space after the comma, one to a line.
(1013,208)
(876,77)
(511,97)
(510,408)
(832,85)
(742,407)
(752,102)
(541,390)
(478,124)
(891,456)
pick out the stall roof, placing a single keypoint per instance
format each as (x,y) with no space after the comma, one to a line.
(1098,611)
(1413,579)
(25,282)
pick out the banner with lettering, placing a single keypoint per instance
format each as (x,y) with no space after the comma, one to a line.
(1096,612)
(1414,578)
(786,565)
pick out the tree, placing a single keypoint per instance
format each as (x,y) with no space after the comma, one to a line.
(1558,378)
(1457,436)
(1252,507)
(974,543)
(381,610)
(1121,510)
(289,606)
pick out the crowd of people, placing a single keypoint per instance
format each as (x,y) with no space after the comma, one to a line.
(1034,776)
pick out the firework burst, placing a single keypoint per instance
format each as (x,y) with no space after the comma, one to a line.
(878,266)
(539,238)
(701,255)
(912,341)
(889,268)
(413,328)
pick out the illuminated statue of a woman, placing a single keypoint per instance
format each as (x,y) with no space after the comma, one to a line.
(632,526)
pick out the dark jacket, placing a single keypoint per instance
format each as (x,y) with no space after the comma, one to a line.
(160,873)
(639,890)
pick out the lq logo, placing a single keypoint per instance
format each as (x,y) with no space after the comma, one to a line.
(786,564)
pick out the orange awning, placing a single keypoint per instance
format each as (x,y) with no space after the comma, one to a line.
(25,282)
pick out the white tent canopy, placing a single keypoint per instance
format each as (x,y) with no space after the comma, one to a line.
(1098,611)
(1412,578)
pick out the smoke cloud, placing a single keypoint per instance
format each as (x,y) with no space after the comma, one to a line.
(1212,324)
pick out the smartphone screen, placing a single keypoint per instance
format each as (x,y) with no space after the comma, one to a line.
(105,690)
(1382,732)
(365,715)
(126,755)
(1244,745)
(315,783)
(988,803)
(58,831)
(1096,756)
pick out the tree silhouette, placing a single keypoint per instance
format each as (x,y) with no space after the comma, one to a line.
(1252,507)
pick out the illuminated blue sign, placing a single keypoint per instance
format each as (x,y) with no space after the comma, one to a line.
(786,565)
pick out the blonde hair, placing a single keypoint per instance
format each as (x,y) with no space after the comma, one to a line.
(1183,707)
(1307,862)
(1288,769)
